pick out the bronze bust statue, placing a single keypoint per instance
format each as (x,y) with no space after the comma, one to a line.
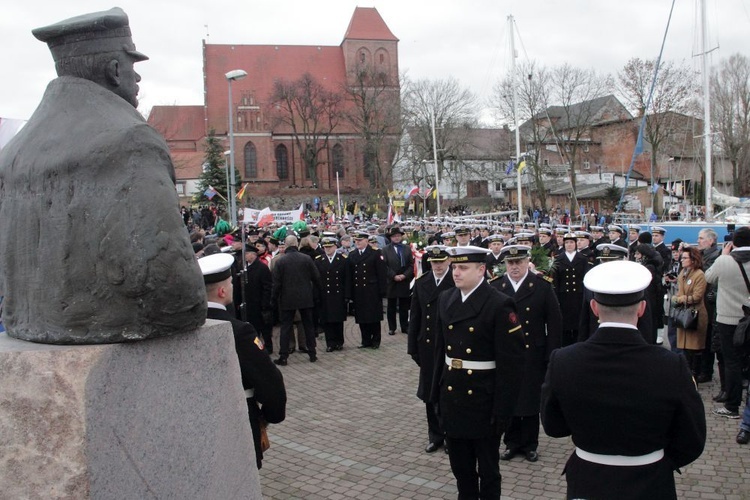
(92,245)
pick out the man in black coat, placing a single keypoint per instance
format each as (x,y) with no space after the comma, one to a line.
(632,409)
(367,286)
(296,282)
(589,322)
(400,269)
(422,332)
(634,231)
(494,261)
(616,234)
(542,325)
(479,363)
(262,381)
(333,276)
(257,283)
(567,272)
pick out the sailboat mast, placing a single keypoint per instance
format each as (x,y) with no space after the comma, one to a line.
(511,30)
(706,113)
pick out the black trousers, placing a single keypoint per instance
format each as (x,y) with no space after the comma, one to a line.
(334,333)
(370,334)
(732,366)
(402,304)
(569,337)
(523,434)
(287,318)
(707,360)
(476,465)
(435,433)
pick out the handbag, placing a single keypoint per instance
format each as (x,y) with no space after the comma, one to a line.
(685,317)
(265,443)
(741,337)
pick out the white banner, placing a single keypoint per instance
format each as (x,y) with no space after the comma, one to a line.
(266,216)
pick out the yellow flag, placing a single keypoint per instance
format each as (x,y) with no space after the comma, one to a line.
(522,166)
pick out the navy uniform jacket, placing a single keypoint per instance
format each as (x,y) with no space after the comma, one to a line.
(257,291)
(333,278)
(398,289)
(423,326)
(616,395)
(367,284)
(568,280)
(484,328)
(541,320)
(258,373)
(621,242)
(491,263)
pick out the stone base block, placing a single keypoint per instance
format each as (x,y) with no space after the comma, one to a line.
(163,418)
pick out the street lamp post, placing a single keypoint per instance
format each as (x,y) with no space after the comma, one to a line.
(236,74)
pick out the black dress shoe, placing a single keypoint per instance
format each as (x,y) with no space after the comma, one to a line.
(330,348)
(292,350)
(532,456)
(508,454)
(391,332)
(313,358)
(703,378)
(303,350)
(743,437)
(721,397)
(339,348)
(280,361)
(376,346)
(432,447)
(364,346)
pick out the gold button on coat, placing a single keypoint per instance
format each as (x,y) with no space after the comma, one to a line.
(450,388)
(450,348)
(470,392)
(468,351)
(469,372)
(471,329)
(450,327)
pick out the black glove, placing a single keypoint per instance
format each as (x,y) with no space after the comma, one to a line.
(415,357)
(499,425)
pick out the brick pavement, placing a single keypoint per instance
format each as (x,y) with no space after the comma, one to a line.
(356,430)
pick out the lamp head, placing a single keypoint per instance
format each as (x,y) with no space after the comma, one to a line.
(236,74)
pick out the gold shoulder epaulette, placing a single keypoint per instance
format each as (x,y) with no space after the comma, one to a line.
(318,257)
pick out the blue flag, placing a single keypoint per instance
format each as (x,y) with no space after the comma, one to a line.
(510,167)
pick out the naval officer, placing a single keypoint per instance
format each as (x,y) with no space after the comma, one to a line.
(422,332)
(479,363)
(262,381)
(541,319)
(632,409)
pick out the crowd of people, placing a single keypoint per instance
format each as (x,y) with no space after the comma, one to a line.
(451,286)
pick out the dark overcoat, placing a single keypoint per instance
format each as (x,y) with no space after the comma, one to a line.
(367,283)
(257,283)
(398,289)
(483,328)
(568,282)
(333,278)
(259,374)
(541,319)
(296,281)
(617,395)
(423,326)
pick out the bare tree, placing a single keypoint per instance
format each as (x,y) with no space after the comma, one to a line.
(455,112)
(375,114)
(673,92)
(730,106)
(532,84)
(312,112)
(580,95)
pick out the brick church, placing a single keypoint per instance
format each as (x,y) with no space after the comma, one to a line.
(269,145)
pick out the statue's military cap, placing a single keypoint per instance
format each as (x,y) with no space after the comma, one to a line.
(89,34)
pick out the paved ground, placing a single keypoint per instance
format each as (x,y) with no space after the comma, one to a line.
(356,430)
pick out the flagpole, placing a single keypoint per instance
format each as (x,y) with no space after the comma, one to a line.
(434,157)
(338,194)
(515,115)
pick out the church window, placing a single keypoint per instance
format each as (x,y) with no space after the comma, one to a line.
(251,161)
(282,162)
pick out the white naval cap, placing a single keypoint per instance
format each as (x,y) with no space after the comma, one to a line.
(216,267)
(468,253)
(618,283)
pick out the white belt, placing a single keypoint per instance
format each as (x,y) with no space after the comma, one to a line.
(469,365)
(621,460)
(249,393)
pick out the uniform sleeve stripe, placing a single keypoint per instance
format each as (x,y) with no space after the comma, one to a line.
(514,329)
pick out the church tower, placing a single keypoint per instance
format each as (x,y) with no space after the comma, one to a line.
(370,46)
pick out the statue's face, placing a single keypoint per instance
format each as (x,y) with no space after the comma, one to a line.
(128,79)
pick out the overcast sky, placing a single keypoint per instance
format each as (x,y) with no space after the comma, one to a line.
(438,38)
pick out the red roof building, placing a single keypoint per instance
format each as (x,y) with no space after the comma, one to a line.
(267,154)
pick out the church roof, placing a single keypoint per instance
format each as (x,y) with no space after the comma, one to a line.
(366,24)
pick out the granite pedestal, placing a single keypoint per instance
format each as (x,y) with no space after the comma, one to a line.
(163,418)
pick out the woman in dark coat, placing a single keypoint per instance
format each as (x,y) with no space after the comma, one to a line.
(647,256)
